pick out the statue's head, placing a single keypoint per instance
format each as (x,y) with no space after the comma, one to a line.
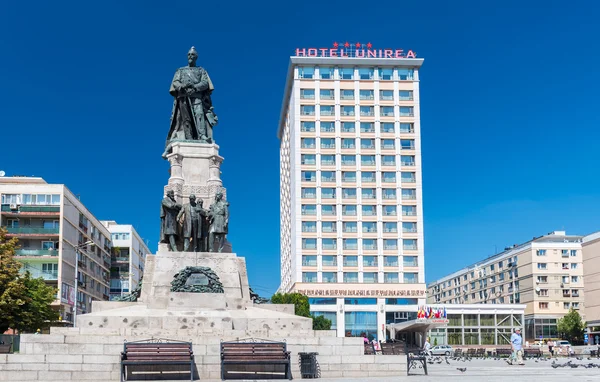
(219,195)
(200,202)
(171,194)
(192,56)
(192,198)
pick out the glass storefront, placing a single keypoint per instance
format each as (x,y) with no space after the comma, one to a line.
(361,323)
(477,329)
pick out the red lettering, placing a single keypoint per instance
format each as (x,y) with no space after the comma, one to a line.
(371,53)
(411,54)
(300,52)
(399,53)
(360,53)
(333,52)
(387,53)
(312,52)
(323,52)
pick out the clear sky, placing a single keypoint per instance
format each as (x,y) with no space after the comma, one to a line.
(509,127)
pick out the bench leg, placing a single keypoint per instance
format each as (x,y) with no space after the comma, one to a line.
(289,371)
(122,372)
(222,371)
(425,367)
(191,370)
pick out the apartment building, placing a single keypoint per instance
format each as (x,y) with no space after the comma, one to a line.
(50,222)
(128,257)
(351,193)
(545,274)
(591,274)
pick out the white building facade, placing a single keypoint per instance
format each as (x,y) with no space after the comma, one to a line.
(128,258)
(50,222)
(351,193)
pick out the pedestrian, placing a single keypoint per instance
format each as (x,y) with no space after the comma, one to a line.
(516,343)
(427,347)
(551,347)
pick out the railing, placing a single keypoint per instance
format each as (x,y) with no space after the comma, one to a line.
(411,147)
(407,163)
(408,180)
(327,112)
(390,264)
(409,213)
(410,264)
(326,96)
(36,252)
(351,263)
(120,258)
(410,247)
(309,263)
(23,208)
(351,248)
(330,263)
(409,230)
(46,275)
(33,231)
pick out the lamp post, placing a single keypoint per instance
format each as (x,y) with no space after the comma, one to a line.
(77,249)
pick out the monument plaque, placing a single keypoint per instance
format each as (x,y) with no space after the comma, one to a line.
(197,279)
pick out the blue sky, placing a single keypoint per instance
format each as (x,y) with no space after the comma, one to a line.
(509,109)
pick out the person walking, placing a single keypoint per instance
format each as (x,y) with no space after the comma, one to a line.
(427,347)
(516,343)
(551,347)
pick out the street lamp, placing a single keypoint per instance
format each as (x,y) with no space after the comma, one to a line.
(77,249)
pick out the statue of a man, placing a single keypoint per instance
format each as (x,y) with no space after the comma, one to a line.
(192,216)
(169,209)
(193,116)
(219,222)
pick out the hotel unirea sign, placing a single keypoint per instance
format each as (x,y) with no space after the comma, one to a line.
(354,50)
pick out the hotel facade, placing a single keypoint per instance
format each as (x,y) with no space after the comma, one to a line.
(544,274)
(351,194)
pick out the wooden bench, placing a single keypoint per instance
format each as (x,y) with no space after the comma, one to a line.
(369,349)
(153,352)
(470,353)
(532,352)
(415,359)
(5,348)
(248,352)
(458,353)
(503,352)
(480,352)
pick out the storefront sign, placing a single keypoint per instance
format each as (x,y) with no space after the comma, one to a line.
(355,50)
(362,292)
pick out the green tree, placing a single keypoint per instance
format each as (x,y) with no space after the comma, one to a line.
(435,342)
(25,302)
(321,323)
(300,301)
(571,326)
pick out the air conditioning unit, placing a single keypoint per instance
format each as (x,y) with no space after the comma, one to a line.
(13,206)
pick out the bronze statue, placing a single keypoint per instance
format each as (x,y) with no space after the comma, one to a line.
(219,222)
(193,117)
(169,209)
(191,216)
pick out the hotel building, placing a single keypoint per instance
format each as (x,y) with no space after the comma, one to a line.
(128,257)
(544,274)
(50,222)
(351,198)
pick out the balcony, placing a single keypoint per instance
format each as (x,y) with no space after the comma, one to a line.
(36,252)
(46,275)
(32,231)
(55,209)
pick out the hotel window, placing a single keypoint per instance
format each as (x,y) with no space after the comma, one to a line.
(564,252)
(326,94)
(365,73)
(387,127)
(327,193)
(309,159)
(307,110)
(309,226)
(347,94)
(348,210)
(406,128)
(351,261)
(11,199)
(390,278)
(309,209)
(542,279)
(367,127)
(541,252)
(387,144)
(390,227)
(367,144)
(348,143)
(387,111)
(407,111)
(326,73)
(573,265)
(309,193)
(307,93)
(350,277)
(367,160)
(542,266)
(348,127)
(348,160)
(543,305)
(349,193)
(390,261)
(407,160)
(411,261)
(574,279)
(368,210)
(326,110)
(389,193)
(390,244)
(328,227)
(349,176)
(573,252)
(12,223)
(409,244)
(309,261)
(386,95)
(406,95)
(306,126)
(565,279)
(366,111)
(386,74)
(307,143)
(369,227)
(327,176)
(389,211)
(350,227)
(328,210)
(405,74)
(328,143)
(369,244)
(388,177)
(370,277)
(329,244)
(348,110)
(367,177)
(327,160)
(329,261)
(309,243)
(410,278)
(501,277)
(566,305)
(346,73)
(327,126)
(369,261)
(575,292)
(309,277)
(309,176)
(366,94)
(330,277)
(408,177)
(368,193)
(306,72)
(388,160)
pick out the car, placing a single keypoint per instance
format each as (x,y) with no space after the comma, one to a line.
(442,350)
(563,343)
